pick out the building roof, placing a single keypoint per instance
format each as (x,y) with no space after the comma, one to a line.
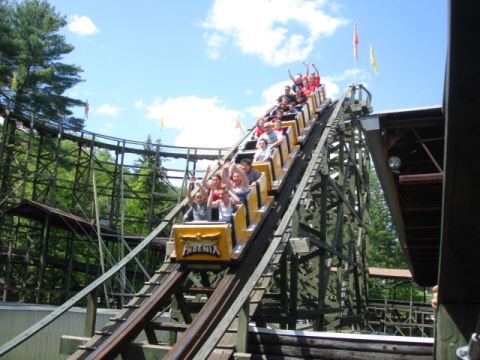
(389,273)
(460,244)
(413,192)
(70,222)
(57,218)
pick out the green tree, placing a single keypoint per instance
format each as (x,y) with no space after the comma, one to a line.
(384,248)
(33,69)
(8,50)
(150,180)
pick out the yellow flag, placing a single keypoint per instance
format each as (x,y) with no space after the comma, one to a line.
(162,122)
(373,61)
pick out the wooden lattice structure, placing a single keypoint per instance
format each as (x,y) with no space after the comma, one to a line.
(322,282)
(314,274)
(64,191)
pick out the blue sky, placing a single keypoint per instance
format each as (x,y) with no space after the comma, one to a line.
(200,65)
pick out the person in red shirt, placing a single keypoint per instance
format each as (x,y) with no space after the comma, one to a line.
(315,77)
(214,184)
(260,129)
(307,88)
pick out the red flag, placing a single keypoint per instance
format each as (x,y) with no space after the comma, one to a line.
(355,42)
(238,125)
(86,106)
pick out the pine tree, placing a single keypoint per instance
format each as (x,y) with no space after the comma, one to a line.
(38,78)
(8,50)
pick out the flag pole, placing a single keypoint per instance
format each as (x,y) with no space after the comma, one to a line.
(355,52)
(354,71)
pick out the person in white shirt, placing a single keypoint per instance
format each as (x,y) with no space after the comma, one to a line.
(263,151)
(236,180)
(226,204)
(273,138)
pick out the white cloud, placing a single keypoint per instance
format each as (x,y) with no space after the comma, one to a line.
(139,104)
(269,97)
(335,7)
(109,110)
(82,25)
(248,92)
(332,88)
(279,31)
(202,122)
(214,43)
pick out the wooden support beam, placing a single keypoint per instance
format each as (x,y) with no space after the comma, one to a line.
(43,254)
(168,326)
(283,286)
(151,335)
(242,356)
(70,344)
(91,316)
(323,274)
(7,266)
(242,329)
(420,179)
(182,306)
(69,258)
(336,346)
(293,304)
(455,325)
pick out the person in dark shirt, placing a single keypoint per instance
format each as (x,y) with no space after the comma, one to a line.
(198,203)
(297,81)
(300,98)
(277,116)
(252,174)
(285,106)
(288,94)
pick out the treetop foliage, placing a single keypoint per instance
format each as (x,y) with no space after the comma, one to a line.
(31,71)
